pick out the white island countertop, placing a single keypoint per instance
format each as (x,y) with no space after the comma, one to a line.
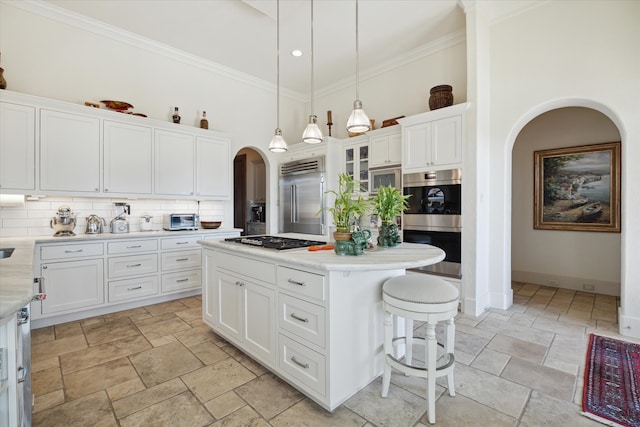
(403,256)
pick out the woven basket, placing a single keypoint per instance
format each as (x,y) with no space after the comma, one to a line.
(441,96)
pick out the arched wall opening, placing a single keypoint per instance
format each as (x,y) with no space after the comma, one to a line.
(251,191)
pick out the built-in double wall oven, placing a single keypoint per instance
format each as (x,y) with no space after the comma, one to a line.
(434,216)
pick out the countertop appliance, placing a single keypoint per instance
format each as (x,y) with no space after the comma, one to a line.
(434,217)
(302,196)
(95,224)
(120,224)
(146,223)
(275,242)
(180,221)
(64,222)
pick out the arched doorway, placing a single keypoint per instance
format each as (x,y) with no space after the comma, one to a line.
(249,192)
(572,260)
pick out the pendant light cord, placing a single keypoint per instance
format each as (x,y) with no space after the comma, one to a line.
(357,57)
(278,64)
(312,57)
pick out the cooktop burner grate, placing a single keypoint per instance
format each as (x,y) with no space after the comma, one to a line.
(275,242)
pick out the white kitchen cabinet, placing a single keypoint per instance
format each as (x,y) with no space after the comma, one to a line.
(386,150)
(69,152)
(174,160)
(128,158)
(8,371)
(433,140)
(72,285)
(245,310)
(17,147)
(356,162)
(213,167)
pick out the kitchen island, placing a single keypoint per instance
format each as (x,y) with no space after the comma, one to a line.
(312,317)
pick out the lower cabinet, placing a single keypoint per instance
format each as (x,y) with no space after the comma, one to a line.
(72,285)
(245,311)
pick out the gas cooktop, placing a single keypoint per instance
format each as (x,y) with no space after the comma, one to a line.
(274,242)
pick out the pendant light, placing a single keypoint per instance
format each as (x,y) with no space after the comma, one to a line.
(358,121)
(312,133)
(278,144)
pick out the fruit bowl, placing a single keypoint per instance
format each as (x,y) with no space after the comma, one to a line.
(210,224)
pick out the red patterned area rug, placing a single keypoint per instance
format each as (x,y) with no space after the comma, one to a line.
(612,382)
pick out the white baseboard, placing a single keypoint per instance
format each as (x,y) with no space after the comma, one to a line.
(563,282)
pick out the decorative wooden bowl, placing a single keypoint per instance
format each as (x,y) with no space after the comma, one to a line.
(210,224)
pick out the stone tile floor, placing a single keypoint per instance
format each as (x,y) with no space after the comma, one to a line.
(160,365)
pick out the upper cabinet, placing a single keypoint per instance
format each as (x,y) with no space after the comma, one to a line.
(17,147)
(69,152)
(386,149)
(57,148)
(213,174)
(128,159)
(356,161)
(433,140)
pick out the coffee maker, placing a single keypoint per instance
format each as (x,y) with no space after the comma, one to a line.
(257,212)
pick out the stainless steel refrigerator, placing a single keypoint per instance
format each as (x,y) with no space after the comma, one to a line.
(302,196)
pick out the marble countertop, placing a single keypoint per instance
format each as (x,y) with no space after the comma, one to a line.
(403,256)
(16,272)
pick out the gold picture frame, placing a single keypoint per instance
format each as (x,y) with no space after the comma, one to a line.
(577,188)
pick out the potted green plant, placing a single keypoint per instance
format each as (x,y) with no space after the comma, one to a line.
(348,206)
(388,204)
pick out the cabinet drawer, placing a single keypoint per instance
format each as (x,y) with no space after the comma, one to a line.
(181,281)
(132,246)
(302,319)
(184,242)
(133,265)
(302,282)
(71,251)
(247,266)
(181,259)
(122,290)
(303,364)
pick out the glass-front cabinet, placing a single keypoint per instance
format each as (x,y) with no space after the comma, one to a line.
(356,163)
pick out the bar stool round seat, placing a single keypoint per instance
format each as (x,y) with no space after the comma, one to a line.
(424,298)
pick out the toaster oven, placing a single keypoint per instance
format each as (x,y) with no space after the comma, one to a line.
(178,221)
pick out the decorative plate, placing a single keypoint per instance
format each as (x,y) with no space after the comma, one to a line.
(117,105)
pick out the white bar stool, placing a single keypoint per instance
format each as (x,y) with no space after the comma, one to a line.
(429,299)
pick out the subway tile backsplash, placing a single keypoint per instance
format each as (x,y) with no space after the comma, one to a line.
(33,218)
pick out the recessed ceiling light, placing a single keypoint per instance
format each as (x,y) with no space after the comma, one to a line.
(296,52)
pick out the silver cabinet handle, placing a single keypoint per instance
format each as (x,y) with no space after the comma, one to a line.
(75,251)
(25,372)
(295,282)
(134,246)
(239,283)
(181,243)
(302,365)
(182,280)
(133,265)
(182,259)
(134,288)
(299,318)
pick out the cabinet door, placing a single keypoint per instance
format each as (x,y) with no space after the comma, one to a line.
(213,168)
(127,158)
(447,141)
(209,287)
(17,147)
(259,320)
(174,161)
(417,146)
(379,151)
(228,305)
(395,148)
(73,285)
(69,152)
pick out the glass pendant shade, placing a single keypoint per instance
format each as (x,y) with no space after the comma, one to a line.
(312,133)
(358,121)
(278,144)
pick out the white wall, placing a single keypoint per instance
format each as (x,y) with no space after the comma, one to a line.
(559,54)
(570,258)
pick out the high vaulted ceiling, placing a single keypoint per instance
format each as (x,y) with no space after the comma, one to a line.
(241,34)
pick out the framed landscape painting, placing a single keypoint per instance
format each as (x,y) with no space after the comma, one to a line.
(577,188)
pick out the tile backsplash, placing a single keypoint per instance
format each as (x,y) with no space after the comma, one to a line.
(33,218)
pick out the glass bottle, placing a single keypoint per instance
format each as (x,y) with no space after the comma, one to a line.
(204,123)
(176,115)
